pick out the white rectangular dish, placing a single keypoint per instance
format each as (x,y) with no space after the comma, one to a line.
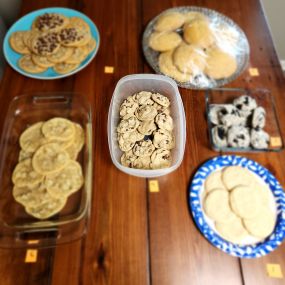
(131,84)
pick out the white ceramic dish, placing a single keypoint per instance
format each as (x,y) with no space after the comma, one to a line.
(131,84)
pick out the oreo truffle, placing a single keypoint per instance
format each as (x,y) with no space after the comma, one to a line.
(238,136)
(219,135)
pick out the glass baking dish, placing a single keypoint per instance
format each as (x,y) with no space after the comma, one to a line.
(264,99)
(18,229)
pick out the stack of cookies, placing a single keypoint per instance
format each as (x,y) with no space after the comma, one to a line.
(54,41)
(145,131)
(47,172)
(240,205)
(239,125)
(192,46)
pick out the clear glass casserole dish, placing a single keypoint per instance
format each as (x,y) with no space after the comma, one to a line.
(17,228)
(220,97)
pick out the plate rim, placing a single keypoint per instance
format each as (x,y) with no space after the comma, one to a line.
(189,85)
(58,76)
(244,251)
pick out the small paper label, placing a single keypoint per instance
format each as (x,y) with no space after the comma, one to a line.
(153,186)
(33,241)
(275,141)
(254,71)
(274,270)
(31,256)
(109,69)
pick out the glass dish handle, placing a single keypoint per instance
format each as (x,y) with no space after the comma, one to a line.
(53,99)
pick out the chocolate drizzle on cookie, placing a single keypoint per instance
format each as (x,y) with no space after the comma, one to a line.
(49,21)
(69,35)
(46,44)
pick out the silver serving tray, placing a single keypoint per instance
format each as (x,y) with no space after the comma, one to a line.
(202,81)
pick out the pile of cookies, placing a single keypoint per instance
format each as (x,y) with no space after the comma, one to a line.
(54,41)
(240,205)
(47,172)
(192,46)
(239,125)
(145,131)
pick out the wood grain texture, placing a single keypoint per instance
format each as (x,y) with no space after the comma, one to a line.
(137,237)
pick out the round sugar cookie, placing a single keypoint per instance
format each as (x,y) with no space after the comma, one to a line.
(63,67)
(61,55)
(217,207)
(263,224)
(27,64)
(169,21)
(189,59)
(214,181)
(233,176)
(72,152)
(49,158)
(32,138)
(31,196)
(41,61)
(220,64)
(198,33)
(79,137)
(164,41)
(193,16)
(17,43)
(167,67)
(78,55)
(58,128)
(24,155)
(25,175)
(233,232)
(47,209)
(66,181)
(245,201)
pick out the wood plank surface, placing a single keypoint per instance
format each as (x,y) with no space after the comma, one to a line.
(137,237)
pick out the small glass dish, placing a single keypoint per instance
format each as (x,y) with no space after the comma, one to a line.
(18,229)
(264,99)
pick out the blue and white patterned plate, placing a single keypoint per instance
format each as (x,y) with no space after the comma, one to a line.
(244,251)
(25,23)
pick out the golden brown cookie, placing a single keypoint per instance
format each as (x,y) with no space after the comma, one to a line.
(17,43)
(61,55)
(164,41)
(42,61)
(63,67)
(189,59)
(49,158)
(66,181)
(25,175)
(198,33)
(220,64)
(32,138)
(167,67)
(27,64)
(50,22)
(169,21)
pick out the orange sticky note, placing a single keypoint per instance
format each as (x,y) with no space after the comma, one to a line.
(153,186)
(31,256)
(274,270)
(33,241)
(254,71)
(275,141)
(109,69)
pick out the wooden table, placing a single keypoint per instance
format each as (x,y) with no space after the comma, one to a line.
(137,237)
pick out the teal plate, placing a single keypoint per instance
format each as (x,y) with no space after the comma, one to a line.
(25,23)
